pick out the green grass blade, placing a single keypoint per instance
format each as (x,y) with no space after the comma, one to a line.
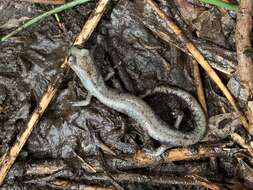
(222,4)
(43,16)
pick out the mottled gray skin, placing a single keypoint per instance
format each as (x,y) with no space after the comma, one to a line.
(83,65)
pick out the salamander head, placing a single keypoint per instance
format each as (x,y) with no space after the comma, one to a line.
(82,63)
(80,60)
(80,57)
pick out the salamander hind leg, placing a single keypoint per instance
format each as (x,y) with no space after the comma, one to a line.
(179,115)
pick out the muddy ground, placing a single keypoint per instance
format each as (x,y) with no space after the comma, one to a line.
(125,41)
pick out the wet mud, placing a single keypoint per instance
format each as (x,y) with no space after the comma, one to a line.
(125,42)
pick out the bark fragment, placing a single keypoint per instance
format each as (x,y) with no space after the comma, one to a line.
(243,45)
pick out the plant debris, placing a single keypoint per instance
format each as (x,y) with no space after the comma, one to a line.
(48,143)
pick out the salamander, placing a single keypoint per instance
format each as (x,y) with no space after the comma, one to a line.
(82,63)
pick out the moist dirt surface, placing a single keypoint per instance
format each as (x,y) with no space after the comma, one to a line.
(65,143)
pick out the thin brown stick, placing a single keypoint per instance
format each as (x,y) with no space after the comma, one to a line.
(200,59)
(126,163)
(91,23)
(244,48)
(179,154)
(129,178)
(241,141)
(199,85)
(158,180)
(66,184)
(84,164)
(10,156)
(52,2)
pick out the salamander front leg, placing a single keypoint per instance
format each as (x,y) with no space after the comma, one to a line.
(83,103)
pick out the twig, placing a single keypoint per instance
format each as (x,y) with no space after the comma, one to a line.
(126,163)
(155,180)
(199,85)
(66,184)
(240,140)
(52,2)
(244,48)
(179,154)
(43,16)
(43,168)
(10,156)
(91,23)
(200,59)
(165,180)
(128,178)
(86,166)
